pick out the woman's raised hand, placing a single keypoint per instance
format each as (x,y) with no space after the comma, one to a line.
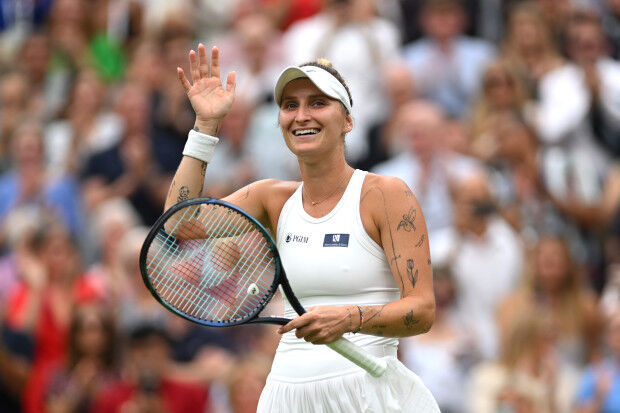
(210,100)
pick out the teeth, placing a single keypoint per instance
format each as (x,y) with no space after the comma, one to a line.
(305,132)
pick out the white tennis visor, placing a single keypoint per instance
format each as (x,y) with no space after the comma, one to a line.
(325,81)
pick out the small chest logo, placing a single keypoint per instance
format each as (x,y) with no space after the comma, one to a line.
(300,239)
(336,240)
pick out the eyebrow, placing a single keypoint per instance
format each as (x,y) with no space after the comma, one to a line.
(322,95)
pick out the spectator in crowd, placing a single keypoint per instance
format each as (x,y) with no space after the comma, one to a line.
(529,46)
(502,93)
(34,61)
(85,128)
(527,377)
(91,361)
(358,43)
(485,256)
(446,65)
(555,288)
(254,52)
(232,168)
(112,220)
(611,25)
(577,105)
(599,389)
(246,382)
(442,356)
(425,166)
(130,168)
(14,106)
(137,305)
(146,386)
(382,136)
(40,305)
(15,362)
(29,183)
(516,180)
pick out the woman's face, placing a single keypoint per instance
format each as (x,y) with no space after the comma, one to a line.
(551,265)
(91,336)
(311,122)
(500,88)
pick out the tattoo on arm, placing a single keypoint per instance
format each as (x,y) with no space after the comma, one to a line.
(428,261)
(408,320)
(420,241)
(412,272)
(183,193)
(407,223)
(247,194)
(408,194)
(369,319)
(203,169)
(394,257)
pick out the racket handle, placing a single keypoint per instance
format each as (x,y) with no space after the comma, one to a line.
(373,365)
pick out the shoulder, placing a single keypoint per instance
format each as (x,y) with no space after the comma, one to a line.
(381,193)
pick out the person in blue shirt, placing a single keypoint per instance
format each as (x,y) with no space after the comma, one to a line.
(599,389)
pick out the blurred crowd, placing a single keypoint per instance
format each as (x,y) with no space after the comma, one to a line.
(502,116)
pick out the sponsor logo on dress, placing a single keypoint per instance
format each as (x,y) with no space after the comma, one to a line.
(336,240)
(300,239)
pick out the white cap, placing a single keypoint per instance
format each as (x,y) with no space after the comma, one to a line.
(325,81)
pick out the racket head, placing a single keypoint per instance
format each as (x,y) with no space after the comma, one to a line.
(210,262)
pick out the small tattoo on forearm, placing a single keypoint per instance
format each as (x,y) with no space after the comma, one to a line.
(369,319)
(412,272)
(420,241)
(408,193)
(408,320)
(203,169)
(196,128)
(407,222)
(247,194)
(428,261)
(183,193)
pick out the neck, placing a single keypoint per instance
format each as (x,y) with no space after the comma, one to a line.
(322,178)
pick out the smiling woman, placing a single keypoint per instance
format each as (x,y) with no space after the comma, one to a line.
(354,244)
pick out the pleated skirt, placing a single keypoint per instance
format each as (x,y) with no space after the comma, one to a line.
(397,390)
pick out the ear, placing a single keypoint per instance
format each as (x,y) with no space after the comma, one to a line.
(348,124)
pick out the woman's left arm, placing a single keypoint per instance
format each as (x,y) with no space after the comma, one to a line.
(404,238)
(401,230)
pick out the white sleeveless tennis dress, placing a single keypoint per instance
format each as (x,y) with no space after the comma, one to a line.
(332,261)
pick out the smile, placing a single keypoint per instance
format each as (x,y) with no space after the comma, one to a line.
(306,132)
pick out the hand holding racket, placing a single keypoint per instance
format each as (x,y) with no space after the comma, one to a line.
(210,262)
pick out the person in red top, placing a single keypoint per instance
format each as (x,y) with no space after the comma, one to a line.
(147,387)
(40,304)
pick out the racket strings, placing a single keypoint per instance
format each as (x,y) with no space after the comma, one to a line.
(223,272)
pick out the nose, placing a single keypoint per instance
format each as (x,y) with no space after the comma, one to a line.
(303,114)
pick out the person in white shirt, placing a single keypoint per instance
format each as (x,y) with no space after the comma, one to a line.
(485,256)
(579,114)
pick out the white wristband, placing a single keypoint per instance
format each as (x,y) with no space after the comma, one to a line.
(200,146)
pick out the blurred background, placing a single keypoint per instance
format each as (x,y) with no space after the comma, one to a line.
(502,116)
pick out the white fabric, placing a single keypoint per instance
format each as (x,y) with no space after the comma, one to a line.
(325,81)
(200,146)
(60,139)
(486,269)
(314,378)
(561,118)
(398,390)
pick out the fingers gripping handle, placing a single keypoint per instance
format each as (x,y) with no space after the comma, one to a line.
(373,365)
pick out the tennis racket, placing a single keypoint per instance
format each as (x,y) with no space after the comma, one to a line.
(212,263)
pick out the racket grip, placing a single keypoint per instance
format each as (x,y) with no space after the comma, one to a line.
(373,365)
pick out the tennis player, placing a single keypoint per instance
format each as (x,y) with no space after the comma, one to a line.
(354,245)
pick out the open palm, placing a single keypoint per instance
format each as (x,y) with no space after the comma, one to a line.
(210,100)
